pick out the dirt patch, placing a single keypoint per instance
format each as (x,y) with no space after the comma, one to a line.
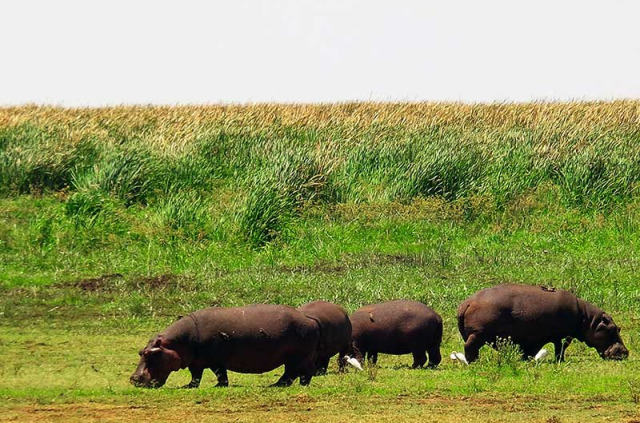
(101,283)
(107,283)
(157,282)
(302,407)
(408,260)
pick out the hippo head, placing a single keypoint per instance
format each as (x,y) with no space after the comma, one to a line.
(157,361)
(605,338)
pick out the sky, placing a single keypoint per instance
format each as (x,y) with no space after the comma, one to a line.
(95,53)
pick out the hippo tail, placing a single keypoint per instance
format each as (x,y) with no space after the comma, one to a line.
(461,311)
(320,345)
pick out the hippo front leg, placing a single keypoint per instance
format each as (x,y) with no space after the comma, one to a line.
(372,357)
(472,347)
(196,377)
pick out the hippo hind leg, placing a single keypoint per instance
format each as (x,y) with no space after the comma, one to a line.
(434,356)
(342,363)
(287,377)
(322,364)
(346,351)
(223,379)
(307,370)
(297,368)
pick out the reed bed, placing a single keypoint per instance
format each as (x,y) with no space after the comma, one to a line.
(279,159)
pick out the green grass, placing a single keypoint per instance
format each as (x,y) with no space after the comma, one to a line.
(115,221)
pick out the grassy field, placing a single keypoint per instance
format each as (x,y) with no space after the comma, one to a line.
(115,221)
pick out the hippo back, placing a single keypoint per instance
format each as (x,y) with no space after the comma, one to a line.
(255,338)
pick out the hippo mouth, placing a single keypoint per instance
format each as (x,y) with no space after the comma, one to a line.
(149,384)
(616,352)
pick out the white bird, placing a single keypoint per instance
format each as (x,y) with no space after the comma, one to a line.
(355,363)
(456,356)
(541,354)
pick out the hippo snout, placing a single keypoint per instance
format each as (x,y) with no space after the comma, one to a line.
(616,352)
(139,381)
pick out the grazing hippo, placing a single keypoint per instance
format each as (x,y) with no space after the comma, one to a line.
(397,327)
(251,339)
(335,333)
(533,316)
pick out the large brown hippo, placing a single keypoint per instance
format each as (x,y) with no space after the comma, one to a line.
(397,327)
(335,333)
(251,339)
(532,316)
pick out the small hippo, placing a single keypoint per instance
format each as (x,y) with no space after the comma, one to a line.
(397,327)
(532,316)
(251,339)
(335,334)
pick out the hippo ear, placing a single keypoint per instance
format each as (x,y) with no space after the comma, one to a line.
(604,323)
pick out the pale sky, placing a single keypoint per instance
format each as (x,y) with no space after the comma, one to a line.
(78,53)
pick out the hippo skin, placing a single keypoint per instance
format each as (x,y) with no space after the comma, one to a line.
(532,316)
(335,333)
(397,327)
(251,339)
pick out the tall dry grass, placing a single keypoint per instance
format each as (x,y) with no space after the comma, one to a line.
(279,158)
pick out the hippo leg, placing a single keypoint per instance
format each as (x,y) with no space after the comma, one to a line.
(419,358)
(321,366)
(196,377)
(223,379)
(358,353)
(528,351)
(290,374)
(372,357)
(472,347)
(434,357)
(342,363)
(307,371)
(560,347)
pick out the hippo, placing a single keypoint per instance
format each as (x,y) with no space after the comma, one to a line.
(335,334)
(252,339)
(397,327)
(532,316)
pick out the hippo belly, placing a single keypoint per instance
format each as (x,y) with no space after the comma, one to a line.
(259,360)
